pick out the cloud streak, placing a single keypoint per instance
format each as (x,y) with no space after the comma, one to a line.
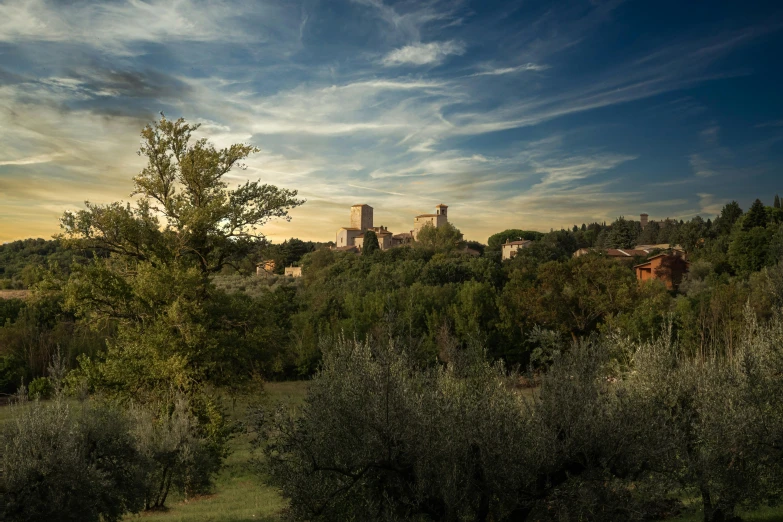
(432,53)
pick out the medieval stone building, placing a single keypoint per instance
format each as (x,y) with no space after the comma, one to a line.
(362,221)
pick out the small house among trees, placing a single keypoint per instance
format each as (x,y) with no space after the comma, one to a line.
(668,268)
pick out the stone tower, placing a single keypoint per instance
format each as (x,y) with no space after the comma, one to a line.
(361,217)
(643,219)
(441,209)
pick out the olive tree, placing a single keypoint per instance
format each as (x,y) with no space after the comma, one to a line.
(380,439)
(721,419)
(68,463)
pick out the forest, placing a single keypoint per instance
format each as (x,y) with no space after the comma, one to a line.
(444,383)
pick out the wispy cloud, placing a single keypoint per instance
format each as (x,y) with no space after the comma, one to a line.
(406,103)
(512,70)
(701,166)
(42,158)
(431,53)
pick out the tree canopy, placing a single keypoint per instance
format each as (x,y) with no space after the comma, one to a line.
(185,225)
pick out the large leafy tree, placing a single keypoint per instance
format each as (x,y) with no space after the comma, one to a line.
(159,253)
(572,296)
(443,238)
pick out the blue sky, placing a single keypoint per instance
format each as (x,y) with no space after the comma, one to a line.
(532,115)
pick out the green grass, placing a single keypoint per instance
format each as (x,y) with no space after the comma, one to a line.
(760,515)
(240,494)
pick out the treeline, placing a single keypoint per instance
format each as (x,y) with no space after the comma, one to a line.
(23,262)
(523,309)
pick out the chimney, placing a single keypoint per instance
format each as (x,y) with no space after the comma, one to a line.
(643,219)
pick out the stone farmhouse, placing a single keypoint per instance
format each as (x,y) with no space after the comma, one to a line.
(351,238)
(510,248)
(293,271)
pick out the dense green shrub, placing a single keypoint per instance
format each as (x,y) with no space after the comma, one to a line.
(40,388)
(70,464)
(176,452)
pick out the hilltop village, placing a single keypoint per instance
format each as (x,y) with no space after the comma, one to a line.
(351,238)
(663,261)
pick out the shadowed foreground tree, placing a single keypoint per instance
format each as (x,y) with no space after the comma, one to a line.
(380,439)
(61,464)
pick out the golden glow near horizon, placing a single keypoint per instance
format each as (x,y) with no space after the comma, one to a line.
(405,106)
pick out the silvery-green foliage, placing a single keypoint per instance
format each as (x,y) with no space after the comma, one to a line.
(379,439)
(174,451)
(720,418)
(382,439)
(63,462)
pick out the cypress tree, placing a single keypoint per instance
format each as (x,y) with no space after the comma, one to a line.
(756,217)
(777,201)
(370,243)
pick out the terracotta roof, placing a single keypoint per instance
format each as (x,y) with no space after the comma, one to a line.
(360,205)
(660,255)
(658,246)
(402,235)
(442,205)
(624,252)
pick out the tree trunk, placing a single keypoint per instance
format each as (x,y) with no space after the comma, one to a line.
(716,513)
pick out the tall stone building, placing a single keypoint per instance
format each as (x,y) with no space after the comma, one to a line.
(361,217)
(361,221)
(438,219)
(352,237)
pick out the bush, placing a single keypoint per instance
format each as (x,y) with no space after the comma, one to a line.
(379,439)
(175,451)
(40,388)
(61,465)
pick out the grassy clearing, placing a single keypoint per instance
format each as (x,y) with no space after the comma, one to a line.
(240,495)
(760,515)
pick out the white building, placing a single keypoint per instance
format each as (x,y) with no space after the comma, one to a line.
(510,248)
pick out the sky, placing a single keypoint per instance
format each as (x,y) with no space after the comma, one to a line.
(515,114)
